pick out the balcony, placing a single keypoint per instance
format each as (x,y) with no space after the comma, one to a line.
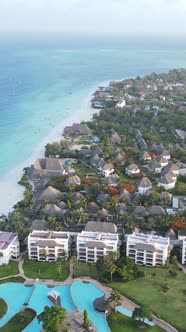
(82,258)
(91,260)
(91,256)
(33,253)
(35,258)
(148,264)
(149,260)
(149,256)
(139,262)
(51,260)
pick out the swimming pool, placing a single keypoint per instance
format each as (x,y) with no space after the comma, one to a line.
(83,295)
(17,294)
(128,313)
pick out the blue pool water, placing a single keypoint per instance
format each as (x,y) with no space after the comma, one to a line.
(83,295)
(17,294)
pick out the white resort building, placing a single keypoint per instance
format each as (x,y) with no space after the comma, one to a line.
(148,249)
(48,245)
(9,247)
(184,251)
(182,238)
(98,239)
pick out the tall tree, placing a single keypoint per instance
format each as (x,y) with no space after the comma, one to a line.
(154,276)
(115,298)
(85,319)
(51,318)
(59,267)
(164,289)
(142,313)
(109,265)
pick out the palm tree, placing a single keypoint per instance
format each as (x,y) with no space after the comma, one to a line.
(142,313)
(74,260)
(59,267)
(115,298)
(164,289)
(154,276)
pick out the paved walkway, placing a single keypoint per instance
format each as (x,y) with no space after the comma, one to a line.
(78,316)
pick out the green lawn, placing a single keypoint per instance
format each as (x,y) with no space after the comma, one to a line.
(147,291)
(13,279)
(3,308)
(19,321)
(45,270)
(8,270)
(121,323)
(83,269)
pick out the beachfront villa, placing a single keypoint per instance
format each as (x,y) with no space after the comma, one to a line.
(48,245)
(132,169)
(48,167)
(77,129)
(148,249)
(9,247)
(167,182)
(97,240)
(144,186)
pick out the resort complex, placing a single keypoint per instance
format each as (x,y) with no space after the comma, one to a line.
(104,213)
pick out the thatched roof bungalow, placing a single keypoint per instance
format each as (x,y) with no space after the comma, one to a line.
(52,210)
(101,304)
(49,194)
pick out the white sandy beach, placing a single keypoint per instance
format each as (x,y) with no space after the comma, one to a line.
(11,192)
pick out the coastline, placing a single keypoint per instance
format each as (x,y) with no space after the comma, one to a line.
(12,191)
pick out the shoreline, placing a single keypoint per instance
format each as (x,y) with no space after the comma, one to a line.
(12,191)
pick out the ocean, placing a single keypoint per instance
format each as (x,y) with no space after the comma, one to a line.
(46,82)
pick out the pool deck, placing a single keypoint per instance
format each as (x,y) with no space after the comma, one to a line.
(77,316)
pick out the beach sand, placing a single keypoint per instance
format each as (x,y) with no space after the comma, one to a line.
(11,192)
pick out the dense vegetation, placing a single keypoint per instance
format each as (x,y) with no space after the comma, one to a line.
(19,321)
(3,308)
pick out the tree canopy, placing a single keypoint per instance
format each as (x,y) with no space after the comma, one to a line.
(142,313)
(51,318)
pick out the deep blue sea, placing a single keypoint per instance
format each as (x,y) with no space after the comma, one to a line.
(44,81)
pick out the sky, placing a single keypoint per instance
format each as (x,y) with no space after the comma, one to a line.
(94,17)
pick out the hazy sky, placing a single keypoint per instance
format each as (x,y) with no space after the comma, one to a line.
(94,16)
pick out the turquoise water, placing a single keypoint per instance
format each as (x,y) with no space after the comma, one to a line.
(83,295)
(17,294)
(43,82)
(128,313)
